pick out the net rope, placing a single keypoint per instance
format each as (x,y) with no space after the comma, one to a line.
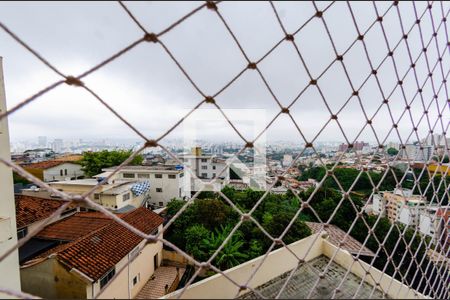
(435,13)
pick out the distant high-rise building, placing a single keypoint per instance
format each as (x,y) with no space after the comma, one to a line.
(57,145)
(42,141)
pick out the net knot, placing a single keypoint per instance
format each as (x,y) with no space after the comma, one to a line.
(252,66)
(150,37)
(289,37)
(71,80)
(210,100)
(211,5)
(285,110)
(151,144)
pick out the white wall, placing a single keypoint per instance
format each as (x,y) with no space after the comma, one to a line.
(9,267)
(73,171)
(121,287)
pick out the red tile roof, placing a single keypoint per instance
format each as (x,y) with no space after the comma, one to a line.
(74,227)
(96,253)
(32,209)
(43,165)
(336,235)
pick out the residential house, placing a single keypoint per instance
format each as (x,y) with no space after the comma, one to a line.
(32,212)
(55,170)
(96,258)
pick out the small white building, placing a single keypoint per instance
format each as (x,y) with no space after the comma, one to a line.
(166,182)
(379,205)
(55,170)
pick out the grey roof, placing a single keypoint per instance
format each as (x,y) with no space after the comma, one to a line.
(305,278)
(339,238)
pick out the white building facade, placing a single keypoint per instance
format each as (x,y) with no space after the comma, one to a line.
(9,266)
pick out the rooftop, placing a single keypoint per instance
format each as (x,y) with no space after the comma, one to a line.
(87,181)
(144,168)
(337,236)
(46,164)
(74,227)
(103,247)
(33,209)
(305,277)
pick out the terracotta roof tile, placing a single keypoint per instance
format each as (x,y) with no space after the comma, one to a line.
(336,235)
(74,227)
(32,209)
(45,164)
(100,250)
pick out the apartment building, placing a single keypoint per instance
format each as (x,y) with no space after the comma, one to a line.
(166,181)
(433,222)
(416,152)
(94,257)
(205,166)
(404,207)
(9,267)
(55,170)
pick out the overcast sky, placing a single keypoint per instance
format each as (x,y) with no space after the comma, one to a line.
(149,90)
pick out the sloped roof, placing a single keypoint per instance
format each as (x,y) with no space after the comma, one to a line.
(43,165)
(33,209)
(97,252)
(336,236)
(74,227)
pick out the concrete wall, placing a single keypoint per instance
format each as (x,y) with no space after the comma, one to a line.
(173,256)
(50,279)
(276,263)
(393,288)
(9,267)
(281,261)
(54,174)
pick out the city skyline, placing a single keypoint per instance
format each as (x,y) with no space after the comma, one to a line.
(146,78)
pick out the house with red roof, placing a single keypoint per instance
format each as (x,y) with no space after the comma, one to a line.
(55,170)
(94,256)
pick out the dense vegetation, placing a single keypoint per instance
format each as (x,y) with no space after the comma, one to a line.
(94,162)
(364,186)
(204,225)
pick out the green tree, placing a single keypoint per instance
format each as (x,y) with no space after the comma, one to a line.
(194,237)
(231,254)
(392,151)
(94,162)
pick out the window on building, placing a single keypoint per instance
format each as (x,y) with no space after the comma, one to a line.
(181,175)
(214,167)
(21,233)
(107,277)
(65,172)
(214,175)
(204,160)
(204,167)
(158,175)
(136,279)
(126,197)
(96,196)
(128,175)
(161,204)
(61,172)
(143,175)
(204,175)
(159,190)
(171,176)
